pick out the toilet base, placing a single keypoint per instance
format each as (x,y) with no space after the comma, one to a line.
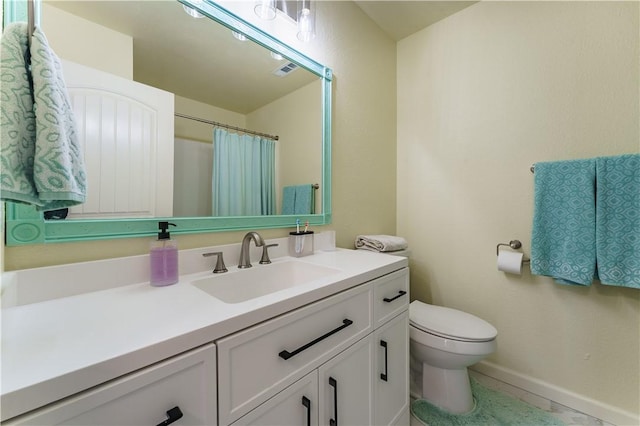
(447,389)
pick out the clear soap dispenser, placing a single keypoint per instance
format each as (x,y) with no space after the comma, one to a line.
(164,257)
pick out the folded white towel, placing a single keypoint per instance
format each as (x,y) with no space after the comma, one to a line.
(381,243)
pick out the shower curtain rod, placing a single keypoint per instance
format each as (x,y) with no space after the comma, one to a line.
(227,126)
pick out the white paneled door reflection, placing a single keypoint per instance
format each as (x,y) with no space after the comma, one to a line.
(126,132)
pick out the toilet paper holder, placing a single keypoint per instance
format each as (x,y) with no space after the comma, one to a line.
(515,245)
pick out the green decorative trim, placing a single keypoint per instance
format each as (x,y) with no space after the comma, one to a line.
(25,225)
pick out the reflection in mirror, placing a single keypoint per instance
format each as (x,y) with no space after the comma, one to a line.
(215,78)
(209,81)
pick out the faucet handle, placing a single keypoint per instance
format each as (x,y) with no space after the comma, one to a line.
(265,254)
(220,267)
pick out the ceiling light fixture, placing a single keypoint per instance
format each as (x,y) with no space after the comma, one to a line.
(306,20)
(265,9)
(276,56)
(192,12)
(239,36)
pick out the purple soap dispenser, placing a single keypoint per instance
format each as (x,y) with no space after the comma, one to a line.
(164,257)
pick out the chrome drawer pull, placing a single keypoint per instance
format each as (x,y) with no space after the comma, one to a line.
(286,354)
(400,294)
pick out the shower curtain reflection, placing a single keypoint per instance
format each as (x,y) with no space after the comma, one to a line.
(243,182)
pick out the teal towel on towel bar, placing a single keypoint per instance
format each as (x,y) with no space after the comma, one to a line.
(304,199)
(563,242)
(41,157)
(288,200)
(298,199)
(618,220)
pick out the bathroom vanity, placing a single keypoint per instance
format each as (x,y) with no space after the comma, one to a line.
(331,349)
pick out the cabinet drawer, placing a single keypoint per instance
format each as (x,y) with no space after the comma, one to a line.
(143,398)
(295,406)
(390,296)
(255,364)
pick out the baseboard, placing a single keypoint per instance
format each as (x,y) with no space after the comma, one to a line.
(575,401)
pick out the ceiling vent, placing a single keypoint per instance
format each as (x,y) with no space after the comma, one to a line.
(286,69)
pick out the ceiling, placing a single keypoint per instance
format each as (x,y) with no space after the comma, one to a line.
(399,18)
(196,59)
(170,62)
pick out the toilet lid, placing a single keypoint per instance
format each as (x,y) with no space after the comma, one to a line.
(450,323)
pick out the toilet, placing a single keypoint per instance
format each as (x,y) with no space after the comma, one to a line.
(443,343)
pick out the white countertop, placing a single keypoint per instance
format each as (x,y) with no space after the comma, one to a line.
(55,348)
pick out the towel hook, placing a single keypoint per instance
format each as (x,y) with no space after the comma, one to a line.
(514,244)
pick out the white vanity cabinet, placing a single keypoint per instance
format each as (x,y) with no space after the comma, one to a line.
(267,373)
(336,354)
(184,384)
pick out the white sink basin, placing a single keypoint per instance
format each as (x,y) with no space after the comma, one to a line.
(244,284)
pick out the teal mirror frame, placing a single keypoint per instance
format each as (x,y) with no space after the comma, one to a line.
(25,225)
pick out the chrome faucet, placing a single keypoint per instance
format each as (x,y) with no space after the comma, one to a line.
(245,260)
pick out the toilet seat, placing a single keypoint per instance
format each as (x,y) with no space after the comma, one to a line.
(450,323)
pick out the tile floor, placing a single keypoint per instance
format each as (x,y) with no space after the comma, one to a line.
(566,414)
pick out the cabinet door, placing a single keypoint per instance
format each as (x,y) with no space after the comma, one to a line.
(187,381)
(346,386)
(297,405)
(392,371)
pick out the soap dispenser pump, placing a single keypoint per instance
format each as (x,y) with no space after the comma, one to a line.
(164,257)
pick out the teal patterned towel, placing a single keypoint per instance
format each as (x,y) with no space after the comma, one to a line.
(563,242)
(17,119)
(46,170)
(618,220)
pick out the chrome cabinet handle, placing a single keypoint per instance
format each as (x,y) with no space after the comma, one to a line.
(286,354)
(400,294)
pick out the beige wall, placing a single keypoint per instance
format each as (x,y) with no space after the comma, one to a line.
(295,118)
(363,60)
(194,130)
(86,43)
(482,96)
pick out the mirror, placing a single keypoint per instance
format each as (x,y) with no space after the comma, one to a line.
(24,225)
